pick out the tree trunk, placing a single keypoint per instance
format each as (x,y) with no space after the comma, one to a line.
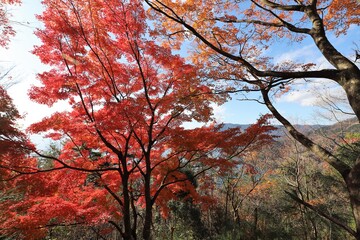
(255,230)
(351,85)
(148,205)
(353,185)
(126,209)
(349,75)
(352,89)
(147,223)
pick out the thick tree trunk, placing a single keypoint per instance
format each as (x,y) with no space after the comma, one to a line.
(349,74)
(349,78)
(351,85)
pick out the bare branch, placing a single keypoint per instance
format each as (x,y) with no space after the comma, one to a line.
(321,213)
(286,24)
(297,8)
(250,21)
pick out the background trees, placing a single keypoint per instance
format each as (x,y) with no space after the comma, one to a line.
(10,136)
(232,39)
(13,145)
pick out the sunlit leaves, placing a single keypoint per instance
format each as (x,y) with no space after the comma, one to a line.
(123,147)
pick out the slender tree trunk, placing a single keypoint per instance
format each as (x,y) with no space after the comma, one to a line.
(126,209)
(135,216)
(314,228)
(255,230)
(148,209)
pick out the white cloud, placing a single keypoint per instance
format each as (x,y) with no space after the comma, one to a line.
(219,112)
(304,98)
(304,54)
(314,92)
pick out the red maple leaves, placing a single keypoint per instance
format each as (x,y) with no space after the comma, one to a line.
(124,147)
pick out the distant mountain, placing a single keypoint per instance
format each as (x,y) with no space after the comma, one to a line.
(333,136)
(341,128)
(280,131)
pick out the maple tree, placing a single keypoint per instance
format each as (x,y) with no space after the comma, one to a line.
(124,148)
(14,147)
(9,134)
(231,39)
(13,142)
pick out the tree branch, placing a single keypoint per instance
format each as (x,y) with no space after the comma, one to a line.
(286,24)
(297,8)
(321,152)
(326,73)
(321,213)
(252,21)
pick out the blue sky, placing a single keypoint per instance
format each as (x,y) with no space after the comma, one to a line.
(298,106)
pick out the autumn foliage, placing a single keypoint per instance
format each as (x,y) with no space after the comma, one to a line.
(121,163)
(6,30)
(124,148)
(236,43)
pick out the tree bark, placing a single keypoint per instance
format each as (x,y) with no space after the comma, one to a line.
(349,73)
(255,230)
(126,209)
(148,209)
(353,185)
(351,85)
